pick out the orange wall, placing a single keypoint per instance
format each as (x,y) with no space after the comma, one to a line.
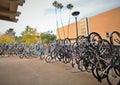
(105,22)
(69,33)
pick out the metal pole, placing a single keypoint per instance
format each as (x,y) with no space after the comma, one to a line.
(87,26)
(75,14)
(76,27)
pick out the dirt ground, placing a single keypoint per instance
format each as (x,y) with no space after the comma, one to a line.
(33,71)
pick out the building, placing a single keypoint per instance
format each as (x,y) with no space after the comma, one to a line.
(102,23)
(8,9)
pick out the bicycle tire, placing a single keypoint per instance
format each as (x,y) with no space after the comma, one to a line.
(48,59)
(42,56)
(26,56)
(112,38)
(102,66)
(80,39)
(74,45)
(93,70)
(104,48)
(80,65)
(21,56)
(92,40)
(67,42)
(67,60)
(117,70)
(112,77)
(88,66)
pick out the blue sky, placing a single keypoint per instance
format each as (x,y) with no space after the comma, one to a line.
(39,14)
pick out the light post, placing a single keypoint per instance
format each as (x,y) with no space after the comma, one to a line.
(75,14)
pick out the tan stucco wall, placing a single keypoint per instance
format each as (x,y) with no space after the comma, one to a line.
(104,22)
(69,33)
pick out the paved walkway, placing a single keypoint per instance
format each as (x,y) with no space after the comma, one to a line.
(15,71)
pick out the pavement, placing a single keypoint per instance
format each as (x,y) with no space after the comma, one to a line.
(33,71)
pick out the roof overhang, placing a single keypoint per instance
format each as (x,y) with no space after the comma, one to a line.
(8,9)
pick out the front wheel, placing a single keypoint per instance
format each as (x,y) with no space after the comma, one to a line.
(94,38)
(117,70)
(115,38)
(112,77)
(67,42)
(48,59)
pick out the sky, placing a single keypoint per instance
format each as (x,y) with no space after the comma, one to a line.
(40,14)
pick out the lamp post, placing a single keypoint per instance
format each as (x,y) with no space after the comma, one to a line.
(75,14)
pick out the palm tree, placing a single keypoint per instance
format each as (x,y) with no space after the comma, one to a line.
(55,4)
(69,6)
(60,6)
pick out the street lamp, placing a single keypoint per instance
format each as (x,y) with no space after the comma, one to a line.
(75,14)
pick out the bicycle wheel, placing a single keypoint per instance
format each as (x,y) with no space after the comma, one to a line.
(54,55)
(81,39)
(80,65)
(67,42)
(21,56)
(87,65)
(26,56)
(42,56)
(100,71)
(48,59)
(115,38)
(67,59)
(105,49)
(93,70)
(112,77)
(94,38)
(117,70)
(74,45)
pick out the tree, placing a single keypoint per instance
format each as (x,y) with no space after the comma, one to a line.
(29,36)
(55,4)
(69,6)
(5,38)
(60,6)
(47,37)
(18,39)
(8,36)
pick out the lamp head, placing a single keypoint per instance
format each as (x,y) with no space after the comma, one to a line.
(75,13)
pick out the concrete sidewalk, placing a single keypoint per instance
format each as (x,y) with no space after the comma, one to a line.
(15,71)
